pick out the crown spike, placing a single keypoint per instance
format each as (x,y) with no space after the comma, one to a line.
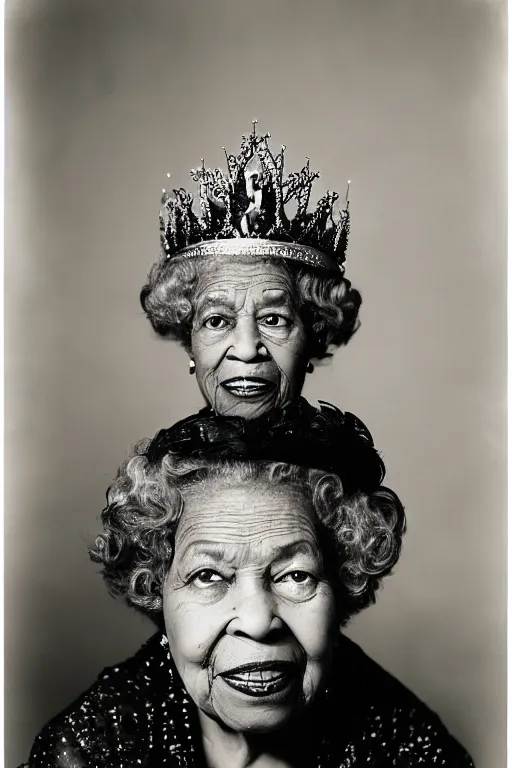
(254,187)
(228,165)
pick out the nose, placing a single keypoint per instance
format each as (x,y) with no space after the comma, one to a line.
(247,345)
(254,614)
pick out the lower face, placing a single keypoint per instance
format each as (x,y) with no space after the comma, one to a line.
(248,341)
(249,613)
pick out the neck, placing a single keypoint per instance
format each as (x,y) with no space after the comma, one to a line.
(290,747)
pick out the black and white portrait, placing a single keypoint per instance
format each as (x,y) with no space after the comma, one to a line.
(255,510)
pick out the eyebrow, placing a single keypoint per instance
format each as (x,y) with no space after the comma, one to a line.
(212,549)
(217,551)
(272,297)
(276,296)
(214,299)
(301,547)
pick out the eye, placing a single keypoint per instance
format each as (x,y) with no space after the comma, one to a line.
(297,584)
(216,323)
(276,321)
(206,577)
(297,577)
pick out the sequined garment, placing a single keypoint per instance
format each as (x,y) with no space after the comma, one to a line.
(138,714)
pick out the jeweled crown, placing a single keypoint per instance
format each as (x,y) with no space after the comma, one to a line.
(243,211)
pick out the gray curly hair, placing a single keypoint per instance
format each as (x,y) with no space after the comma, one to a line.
(327,302)
(361,534)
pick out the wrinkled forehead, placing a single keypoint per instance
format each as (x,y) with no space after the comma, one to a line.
(245,513)
(235,280)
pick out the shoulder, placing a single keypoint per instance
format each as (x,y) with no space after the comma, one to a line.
(99,728)
(391,721)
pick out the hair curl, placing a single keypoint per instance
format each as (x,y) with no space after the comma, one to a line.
(327,302)
(361,534)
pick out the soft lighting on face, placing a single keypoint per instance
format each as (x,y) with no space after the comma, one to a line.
(249,612)
(248,339)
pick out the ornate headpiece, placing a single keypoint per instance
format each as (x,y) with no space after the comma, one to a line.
(243,211)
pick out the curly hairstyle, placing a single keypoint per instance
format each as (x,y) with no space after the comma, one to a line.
(327,302)
(361,534)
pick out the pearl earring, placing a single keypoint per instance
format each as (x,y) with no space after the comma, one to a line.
(310,367)
(191,367)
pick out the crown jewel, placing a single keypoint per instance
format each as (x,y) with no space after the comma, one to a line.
(243,211)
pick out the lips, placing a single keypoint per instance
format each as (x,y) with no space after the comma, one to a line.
(262,679)
(248,386)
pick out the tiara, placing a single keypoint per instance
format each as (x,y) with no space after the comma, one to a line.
(243,212)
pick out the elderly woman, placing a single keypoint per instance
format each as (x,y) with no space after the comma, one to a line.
(253,295)
(250,544)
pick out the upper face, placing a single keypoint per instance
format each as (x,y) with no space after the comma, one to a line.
(248,340)
(249,613)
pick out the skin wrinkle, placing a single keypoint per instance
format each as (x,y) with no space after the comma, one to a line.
(231,532)
(256,612)
(327,303)
(220,552)
(245,345)
(142,494)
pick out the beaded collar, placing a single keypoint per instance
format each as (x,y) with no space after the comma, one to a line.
(138,715)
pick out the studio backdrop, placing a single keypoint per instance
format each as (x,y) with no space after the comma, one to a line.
(406,98)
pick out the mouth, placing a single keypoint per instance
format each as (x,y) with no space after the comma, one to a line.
(248,386)
(262,679)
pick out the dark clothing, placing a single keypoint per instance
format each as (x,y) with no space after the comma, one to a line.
(139,715)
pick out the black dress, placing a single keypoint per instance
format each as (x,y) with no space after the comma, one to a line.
(138,714)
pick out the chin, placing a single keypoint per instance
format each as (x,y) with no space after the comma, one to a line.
(245,408)
(261,722)
(244,714)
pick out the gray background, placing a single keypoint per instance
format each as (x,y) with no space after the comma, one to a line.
(404,97)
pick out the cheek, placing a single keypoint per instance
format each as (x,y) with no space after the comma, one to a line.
(290,355)
(314,624)
(192,631)
(207,358)
(189,629)
(204,353)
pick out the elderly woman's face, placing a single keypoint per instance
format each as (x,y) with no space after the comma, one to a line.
(248,340)
(249,613)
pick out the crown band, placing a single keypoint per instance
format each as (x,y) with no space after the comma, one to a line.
(239,246)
